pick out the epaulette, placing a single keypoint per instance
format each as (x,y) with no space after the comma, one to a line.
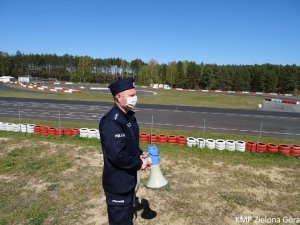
(116,116)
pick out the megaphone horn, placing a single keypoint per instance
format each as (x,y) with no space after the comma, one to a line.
(156,179)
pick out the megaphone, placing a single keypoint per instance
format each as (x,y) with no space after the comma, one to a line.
(156,179)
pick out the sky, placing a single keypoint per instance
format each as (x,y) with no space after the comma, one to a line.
(209,31)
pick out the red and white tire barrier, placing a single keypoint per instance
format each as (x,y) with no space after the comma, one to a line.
(286,101)
(52,88)
(180,140)
(167,87)
(49,131)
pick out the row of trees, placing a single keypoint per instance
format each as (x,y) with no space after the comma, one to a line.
(183,74)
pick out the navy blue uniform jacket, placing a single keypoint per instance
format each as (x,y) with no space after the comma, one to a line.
(119,134)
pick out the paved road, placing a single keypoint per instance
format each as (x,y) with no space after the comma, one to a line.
(276,124)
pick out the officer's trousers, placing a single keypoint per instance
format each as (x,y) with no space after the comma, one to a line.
(120,208)
(120,215)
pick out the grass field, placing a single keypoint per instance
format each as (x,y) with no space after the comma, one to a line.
(48,180)
(164,97)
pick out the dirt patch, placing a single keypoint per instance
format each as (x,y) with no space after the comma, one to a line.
(36,185)
(95,211)
(4,139)
(10,145)
(93,159)
(7,178)
(275,174)
(51,148)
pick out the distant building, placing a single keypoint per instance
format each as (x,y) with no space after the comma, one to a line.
(6,79)
(25,79)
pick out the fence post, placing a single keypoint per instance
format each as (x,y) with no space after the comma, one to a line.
(59,122)
(259,136)
(20,120)
(203,129)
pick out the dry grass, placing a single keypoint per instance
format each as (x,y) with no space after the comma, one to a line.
(46,181)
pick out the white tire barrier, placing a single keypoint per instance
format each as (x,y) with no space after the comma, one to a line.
(220,144)
(6,126)
(93,133)
(276,100)
(23,128)
(230,145)
(84,132)
(16,127)
(9,127)
(191,142)
(200,142)
(240,146)
(2,126)
(210,143)
(30,128)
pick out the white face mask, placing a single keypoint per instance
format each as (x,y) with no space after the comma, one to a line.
(130,102)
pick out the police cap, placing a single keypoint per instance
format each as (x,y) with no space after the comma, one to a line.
(121,85)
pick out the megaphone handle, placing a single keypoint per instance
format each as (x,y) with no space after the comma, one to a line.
(148,158)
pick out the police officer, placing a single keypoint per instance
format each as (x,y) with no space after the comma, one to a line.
(119,134)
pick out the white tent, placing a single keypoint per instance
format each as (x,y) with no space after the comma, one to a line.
(24,79)
(6,79)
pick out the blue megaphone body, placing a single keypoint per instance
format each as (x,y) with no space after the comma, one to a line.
(153,154)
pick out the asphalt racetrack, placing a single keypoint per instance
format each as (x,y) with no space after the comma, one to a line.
(237,121)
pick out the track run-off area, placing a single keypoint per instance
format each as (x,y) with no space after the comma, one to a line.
(214,120)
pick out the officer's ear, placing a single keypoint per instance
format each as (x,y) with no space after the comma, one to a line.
(117,96)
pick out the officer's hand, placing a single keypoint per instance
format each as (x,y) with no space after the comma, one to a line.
(145,164)
(143,156)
